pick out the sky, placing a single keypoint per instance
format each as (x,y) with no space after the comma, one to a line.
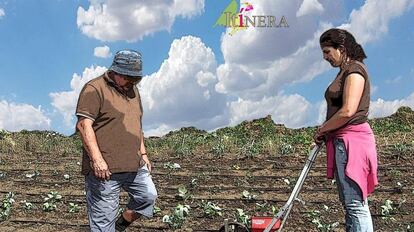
(197,73)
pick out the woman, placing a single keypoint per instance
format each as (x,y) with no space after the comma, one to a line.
(350,142)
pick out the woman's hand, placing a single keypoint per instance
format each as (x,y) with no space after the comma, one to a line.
(319,136)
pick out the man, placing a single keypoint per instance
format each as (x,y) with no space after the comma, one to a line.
(109,115)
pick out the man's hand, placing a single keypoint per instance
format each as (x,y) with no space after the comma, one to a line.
(100,169)
(147,162)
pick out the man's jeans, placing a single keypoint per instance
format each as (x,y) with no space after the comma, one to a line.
(103,197)
(357,215)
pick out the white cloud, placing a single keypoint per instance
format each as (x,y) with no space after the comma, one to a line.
(256,82)
(205,79)
(374,89)
(111,20)
(394,80)
(235,78)
(17,116)
(260,63)
(309,7)
(322,110)
(370,22)
(263,62)
(102,52)
(160,130)
(182,92)
(2,13)
(189,87)
(382,108)
(293,110)
(65,102)
(258,46)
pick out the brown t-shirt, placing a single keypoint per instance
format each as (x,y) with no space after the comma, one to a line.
(334,93)
(117,117)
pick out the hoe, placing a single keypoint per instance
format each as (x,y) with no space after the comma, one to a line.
(269,224)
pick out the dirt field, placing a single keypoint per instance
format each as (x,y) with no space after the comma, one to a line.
(209,173)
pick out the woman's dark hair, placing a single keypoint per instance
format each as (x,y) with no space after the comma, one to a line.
(335,38)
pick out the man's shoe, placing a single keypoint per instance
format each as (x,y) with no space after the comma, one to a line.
(121,224)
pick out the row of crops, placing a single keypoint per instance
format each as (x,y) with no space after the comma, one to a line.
(203,177)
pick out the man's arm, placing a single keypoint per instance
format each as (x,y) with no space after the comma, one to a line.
(98,164)
(144,153)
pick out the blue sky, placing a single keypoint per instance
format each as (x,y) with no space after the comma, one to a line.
(196,74)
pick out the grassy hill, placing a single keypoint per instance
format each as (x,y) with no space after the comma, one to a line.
(234,172)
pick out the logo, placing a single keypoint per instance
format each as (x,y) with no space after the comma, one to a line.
(242,19)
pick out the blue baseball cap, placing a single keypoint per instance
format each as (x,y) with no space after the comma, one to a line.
(127,62)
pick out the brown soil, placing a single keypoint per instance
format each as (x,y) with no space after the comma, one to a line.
(220,180)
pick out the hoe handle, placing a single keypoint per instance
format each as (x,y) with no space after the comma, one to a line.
(285,210)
